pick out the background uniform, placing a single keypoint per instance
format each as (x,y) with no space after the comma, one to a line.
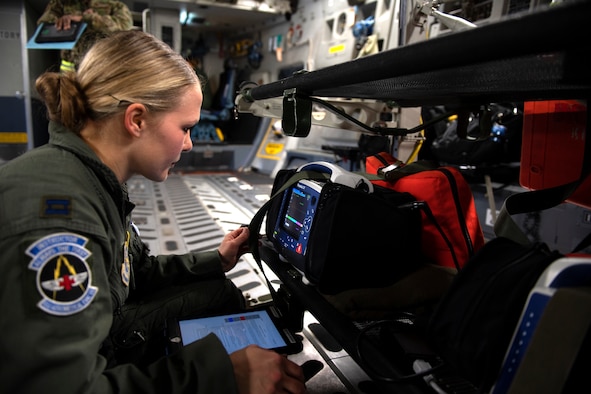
(108,16)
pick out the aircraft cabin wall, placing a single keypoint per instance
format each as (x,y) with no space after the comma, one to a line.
(321,35)
(318,34)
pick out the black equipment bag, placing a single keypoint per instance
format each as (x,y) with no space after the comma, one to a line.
(362,240)
(473,324)
(357,239)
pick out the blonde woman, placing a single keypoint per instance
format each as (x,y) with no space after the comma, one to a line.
(83,301)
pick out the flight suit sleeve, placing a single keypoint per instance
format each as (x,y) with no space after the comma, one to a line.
(109,16)
(53,11)
(202,367)
(151,272)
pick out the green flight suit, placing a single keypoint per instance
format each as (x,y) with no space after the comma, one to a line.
(68,276)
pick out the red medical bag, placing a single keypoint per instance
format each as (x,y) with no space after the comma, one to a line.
(553,146)
(454,230)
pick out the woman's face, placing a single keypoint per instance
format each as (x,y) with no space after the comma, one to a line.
(167,135)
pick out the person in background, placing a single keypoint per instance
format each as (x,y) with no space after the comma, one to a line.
(101,17)
(80,294)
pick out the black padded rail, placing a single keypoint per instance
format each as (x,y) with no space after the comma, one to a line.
(527,56)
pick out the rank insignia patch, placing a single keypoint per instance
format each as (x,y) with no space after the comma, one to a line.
(56,206)
(63,275)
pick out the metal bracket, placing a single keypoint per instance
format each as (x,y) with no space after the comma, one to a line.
(369,116)
(297,114)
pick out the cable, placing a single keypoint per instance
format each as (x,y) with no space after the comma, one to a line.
(420,366)
(368,367)
(379,130)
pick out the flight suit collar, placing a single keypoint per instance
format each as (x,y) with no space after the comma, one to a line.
(67,140)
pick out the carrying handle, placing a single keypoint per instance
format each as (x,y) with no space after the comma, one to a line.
(339,175)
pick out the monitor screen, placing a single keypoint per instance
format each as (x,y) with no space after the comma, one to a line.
(294,222)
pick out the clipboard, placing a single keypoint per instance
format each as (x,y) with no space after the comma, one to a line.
(48,37)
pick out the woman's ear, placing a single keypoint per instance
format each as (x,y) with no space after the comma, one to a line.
(134,118)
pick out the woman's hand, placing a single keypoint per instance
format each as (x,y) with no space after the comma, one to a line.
(262,371)
(65,22)
(234,245)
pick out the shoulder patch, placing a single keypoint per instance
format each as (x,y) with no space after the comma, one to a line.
(63,276)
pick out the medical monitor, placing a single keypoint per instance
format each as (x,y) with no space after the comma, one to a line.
(291,233)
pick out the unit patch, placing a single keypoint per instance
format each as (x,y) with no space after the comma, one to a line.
(63,275)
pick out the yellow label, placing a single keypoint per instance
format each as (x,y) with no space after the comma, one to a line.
(13,138)
(273,148)
(336,48)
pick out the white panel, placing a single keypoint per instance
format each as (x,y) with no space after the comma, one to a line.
(11,78)
(165,24)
